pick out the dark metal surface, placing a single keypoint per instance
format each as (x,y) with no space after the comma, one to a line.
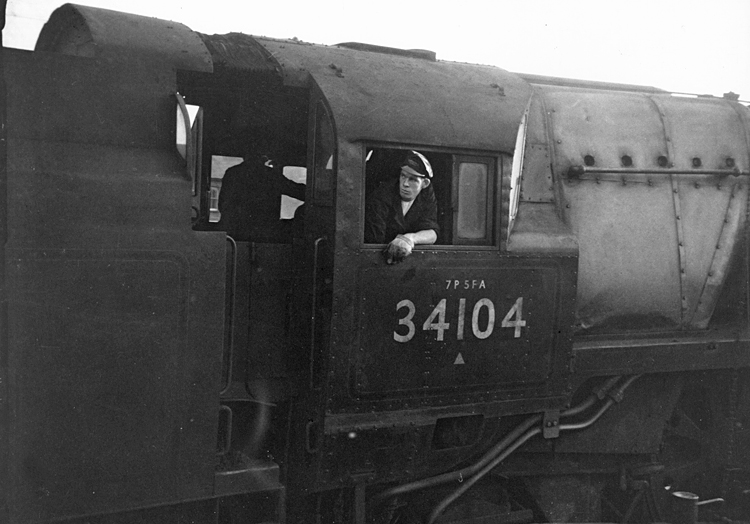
(132,111)
(377,96)
(116,306)
(456,328)
(4,371)
(655,355)
(425,371)
(93,32)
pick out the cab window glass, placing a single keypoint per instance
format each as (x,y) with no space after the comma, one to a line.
(471,212)
(474,196)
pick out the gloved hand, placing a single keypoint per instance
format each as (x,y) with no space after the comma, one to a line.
(399,248)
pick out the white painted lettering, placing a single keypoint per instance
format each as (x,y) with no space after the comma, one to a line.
(479,333)
(406,321)
(437,320)
(461,318)
(519,322)
(441,325)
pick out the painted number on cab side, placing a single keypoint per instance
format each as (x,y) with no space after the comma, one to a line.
(437,320)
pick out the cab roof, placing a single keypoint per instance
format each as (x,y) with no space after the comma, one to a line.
(386,95)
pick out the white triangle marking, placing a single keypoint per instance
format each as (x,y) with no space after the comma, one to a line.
(459,360)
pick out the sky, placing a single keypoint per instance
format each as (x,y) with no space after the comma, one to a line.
(688,46)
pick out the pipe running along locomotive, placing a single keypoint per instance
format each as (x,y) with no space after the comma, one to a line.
(573,348)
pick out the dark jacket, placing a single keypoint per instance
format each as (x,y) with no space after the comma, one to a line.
(384,218)
(250,201)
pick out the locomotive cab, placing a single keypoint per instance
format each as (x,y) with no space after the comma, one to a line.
(457,337)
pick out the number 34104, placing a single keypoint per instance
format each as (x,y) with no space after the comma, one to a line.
(436,321)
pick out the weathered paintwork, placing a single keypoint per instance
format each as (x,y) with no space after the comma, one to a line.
(659,214)
(476,328)
(150,354)
(114,303)
(386,97)
(120,37)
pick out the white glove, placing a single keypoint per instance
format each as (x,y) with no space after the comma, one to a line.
(399,248)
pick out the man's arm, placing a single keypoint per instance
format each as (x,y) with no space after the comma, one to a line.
(292,188)
(401,246)
(426,236)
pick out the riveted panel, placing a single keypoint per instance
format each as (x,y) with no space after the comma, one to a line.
(605,127)
(536,180)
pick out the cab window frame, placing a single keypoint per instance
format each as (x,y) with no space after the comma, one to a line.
(447,167)
(325,156)
(490,202)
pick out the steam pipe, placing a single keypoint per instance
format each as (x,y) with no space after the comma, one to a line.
(598,393)
(468,471)
(460,475)
(447,501)
(586,423)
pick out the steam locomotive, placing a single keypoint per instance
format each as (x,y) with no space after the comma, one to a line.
(573,348)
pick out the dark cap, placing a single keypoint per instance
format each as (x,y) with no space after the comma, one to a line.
(416,164)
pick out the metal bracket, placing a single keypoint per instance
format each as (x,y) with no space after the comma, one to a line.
(551,424)
(360,484)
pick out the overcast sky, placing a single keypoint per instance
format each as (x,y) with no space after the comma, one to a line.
(694,46)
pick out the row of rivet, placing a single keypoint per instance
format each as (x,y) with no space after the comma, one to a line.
(680,243)
(661,161)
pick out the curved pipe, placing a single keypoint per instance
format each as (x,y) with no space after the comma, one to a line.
(597,394)
(447,501)
(460,475)
(468,471)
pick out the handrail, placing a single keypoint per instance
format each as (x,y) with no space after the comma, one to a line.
(227,444)
(230,316)
(578,171)
(313,316)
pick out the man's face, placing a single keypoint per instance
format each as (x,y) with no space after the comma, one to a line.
(410,186)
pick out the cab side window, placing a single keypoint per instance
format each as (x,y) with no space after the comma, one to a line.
(465,188)
(473,198)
